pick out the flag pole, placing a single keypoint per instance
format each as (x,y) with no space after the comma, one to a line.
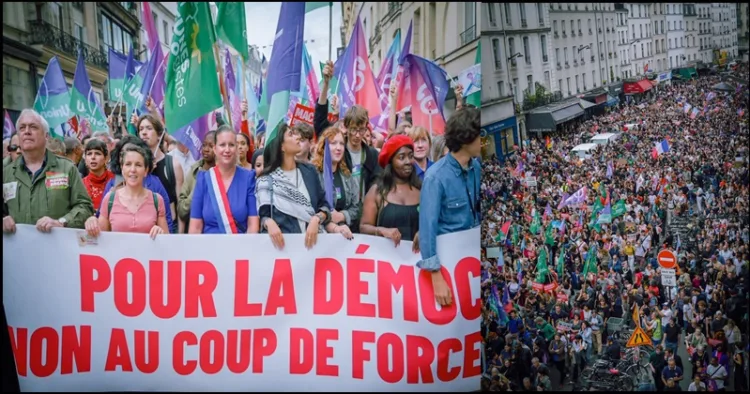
(330,30)
(221,82)
(244,93)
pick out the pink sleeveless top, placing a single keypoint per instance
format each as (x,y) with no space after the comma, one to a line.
(122,220)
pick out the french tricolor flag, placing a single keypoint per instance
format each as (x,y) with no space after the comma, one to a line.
(660,148)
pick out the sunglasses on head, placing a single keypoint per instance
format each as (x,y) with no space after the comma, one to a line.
(13,148)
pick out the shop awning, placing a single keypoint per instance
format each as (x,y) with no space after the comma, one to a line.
(586,105)
(546,119)
(638,87)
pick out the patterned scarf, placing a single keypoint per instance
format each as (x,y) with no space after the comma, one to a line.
(286,197)
(95,186)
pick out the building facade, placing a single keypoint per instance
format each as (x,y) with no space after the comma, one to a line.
(743,29)
(34,32)
(517,63)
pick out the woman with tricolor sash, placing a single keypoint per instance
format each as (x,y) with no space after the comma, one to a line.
(291,199)
(224,196)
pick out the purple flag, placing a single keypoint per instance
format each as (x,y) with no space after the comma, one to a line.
(547,211)
(610,170)
(153,79)
(328,176)
(192,135)
(231,84)
(562,201)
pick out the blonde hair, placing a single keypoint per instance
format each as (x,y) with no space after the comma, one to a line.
(419,133)
(327,135)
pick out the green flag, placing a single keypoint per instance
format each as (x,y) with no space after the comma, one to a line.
(475,98)
(192,79)
(541,266)
(549,237)
(560,264)
(231,26)
(618,209)
(515,234)
(131,95)
(536,223)
(590,265)
(314,5)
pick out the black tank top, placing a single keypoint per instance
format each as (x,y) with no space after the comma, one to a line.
(165,172)
(403,217)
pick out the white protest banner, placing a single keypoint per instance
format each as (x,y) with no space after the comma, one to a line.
(471,79)
(232,313)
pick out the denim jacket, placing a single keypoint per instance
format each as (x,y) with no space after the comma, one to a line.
(449,202)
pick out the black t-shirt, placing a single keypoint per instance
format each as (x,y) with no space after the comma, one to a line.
(672,332)
(338,192)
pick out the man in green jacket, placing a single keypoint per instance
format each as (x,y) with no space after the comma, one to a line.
(547,330)
(40,188)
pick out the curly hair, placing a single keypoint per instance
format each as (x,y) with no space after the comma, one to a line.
(130,143)
(462,129)
(328,135)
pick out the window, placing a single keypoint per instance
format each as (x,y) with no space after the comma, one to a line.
(511,50)
(470,15)
(526,51)
(546,80)
(681,42)
(115,36)
(501,88)
(557,55)
(578,89)
(589,25)
(568,81)
(507,14)
(554,26)
(593,76)
(563,27)
(579,25)
(118,41)
(543,42)
(540,11)
(497,54)
(530,84)
(55,11)
(583,76)
(491,14)
(515,89)
(166,37)
(522,11)
(78,32)
(559,84)
(565,53)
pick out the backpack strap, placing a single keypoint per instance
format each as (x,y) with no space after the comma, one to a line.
(111,201)
(156,203)
(169,170)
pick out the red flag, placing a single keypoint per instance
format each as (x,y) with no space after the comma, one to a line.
(413,92)
(73,122)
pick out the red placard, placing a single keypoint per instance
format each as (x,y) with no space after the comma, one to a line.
(305,114)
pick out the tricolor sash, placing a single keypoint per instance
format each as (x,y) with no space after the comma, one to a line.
(218,195)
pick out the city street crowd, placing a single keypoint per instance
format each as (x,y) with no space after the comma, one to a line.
(577,251)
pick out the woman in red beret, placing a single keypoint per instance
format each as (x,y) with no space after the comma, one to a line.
(391,207)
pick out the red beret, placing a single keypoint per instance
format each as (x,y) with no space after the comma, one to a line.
(392,146)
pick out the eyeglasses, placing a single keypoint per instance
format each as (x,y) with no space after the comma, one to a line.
(360,130)
(13,148)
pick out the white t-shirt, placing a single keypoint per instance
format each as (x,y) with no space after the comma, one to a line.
(356,164)
(667,315)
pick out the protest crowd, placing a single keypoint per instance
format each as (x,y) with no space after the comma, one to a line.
(575,269)
(342,174)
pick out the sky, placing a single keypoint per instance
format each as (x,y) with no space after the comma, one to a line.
(262,19)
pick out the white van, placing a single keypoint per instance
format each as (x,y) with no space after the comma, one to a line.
(584,151)
(604,138)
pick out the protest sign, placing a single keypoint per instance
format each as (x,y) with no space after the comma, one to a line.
(305,114)
(232,313)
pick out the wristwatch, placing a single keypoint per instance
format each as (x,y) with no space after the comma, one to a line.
(63,221)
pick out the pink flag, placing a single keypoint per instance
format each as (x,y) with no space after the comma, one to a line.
(148,24)
(8,127)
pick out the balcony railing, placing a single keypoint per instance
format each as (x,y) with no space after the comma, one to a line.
(469,35)
(44,33)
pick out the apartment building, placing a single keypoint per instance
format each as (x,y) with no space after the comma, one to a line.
(34,32)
